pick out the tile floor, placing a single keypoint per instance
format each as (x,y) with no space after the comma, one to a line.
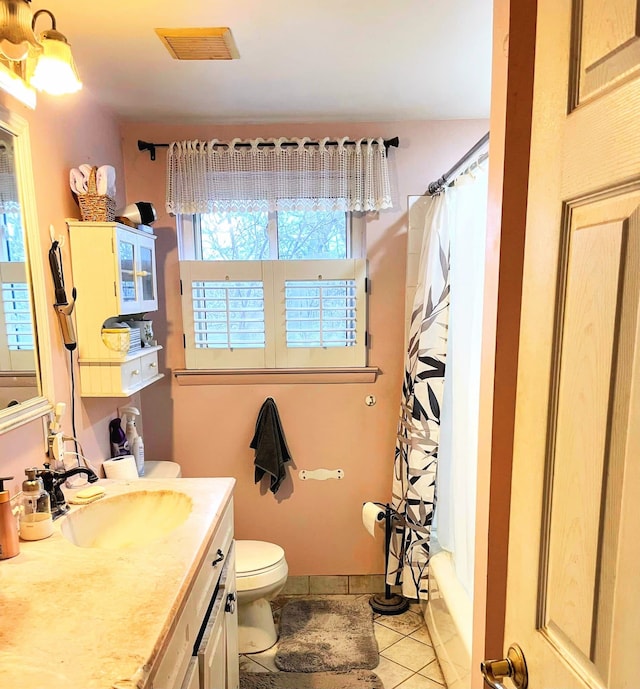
(407,658)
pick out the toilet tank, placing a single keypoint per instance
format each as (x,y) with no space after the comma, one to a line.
(155,469)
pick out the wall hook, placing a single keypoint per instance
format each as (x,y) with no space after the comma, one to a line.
(61,238)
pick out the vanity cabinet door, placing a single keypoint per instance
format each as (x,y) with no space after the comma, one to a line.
(192,678)
(211,654)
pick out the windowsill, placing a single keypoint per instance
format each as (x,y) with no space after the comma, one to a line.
(257,376)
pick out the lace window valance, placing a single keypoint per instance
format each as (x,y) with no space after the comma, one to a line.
(288,174)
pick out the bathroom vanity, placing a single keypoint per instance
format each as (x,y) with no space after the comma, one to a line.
(146,602)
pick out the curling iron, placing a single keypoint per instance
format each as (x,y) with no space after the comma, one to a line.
(62,306)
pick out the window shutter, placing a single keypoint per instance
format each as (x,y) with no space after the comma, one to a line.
(320,313)
(225,314)
(274,314)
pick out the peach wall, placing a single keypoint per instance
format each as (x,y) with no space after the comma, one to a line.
(64,132)
(208,428)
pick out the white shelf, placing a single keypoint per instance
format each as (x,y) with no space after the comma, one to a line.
(124,393)
(121,360)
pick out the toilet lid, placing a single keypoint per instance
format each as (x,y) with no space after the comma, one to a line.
(255,556)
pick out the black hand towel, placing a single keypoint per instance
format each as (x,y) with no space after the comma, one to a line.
(270,445)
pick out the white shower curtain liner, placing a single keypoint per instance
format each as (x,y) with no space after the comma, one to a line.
(458,458)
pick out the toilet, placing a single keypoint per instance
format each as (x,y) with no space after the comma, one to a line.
(155,469)
(261,573)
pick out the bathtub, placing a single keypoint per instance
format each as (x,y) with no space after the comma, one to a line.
(449,618)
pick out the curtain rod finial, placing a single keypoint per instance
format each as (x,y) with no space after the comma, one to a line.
(146,146)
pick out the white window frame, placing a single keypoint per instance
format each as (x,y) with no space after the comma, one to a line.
(273,274)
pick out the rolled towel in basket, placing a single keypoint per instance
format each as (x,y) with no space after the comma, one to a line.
(106,181)
(77,181)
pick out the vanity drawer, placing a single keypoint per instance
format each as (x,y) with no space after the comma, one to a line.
(213,564)
(131,374)
(149,365)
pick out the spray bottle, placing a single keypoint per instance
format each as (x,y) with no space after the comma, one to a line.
(136,444)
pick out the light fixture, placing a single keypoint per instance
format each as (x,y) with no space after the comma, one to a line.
(16,31)
(49,63)
(55,71)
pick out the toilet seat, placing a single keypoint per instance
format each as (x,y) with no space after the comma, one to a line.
(259,564)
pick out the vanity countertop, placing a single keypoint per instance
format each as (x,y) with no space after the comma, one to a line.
(92,618)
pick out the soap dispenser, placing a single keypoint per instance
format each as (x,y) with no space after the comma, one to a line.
(36,521)
(136,444)
(9,544)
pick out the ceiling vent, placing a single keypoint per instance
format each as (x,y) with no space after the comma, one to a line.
(199,44)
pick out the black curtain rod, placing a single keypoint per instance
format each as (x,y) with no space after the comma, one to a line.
(147,146)
(441,182)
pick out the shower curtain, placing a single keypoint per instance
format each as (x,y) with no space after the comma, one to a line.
(430,459)
(418,439)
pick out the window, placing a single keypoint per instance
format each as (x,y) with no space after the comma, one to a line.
(280,289)
(16,324)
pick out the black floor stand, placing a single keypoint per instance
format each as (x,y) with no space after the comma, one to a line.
(389,603)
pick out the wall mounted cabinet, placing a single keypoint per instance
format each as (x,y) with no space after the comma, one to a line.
(114,273)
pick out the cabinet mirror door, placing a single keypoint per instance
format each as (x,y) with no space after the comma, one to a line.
(146,273)
(127,271)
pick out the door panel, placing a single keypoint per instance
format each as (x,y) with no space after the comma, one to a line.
(572,603)
(609,45)
(583,397)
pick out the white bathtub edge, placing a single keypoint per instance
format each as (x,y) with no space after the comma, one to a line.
(449,616)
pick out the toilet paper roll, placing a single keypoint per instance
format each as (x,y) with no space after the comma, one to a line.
(121,467)
(372,515)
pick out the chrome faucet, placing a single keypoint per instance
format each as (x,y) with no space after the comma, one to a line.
(52,481)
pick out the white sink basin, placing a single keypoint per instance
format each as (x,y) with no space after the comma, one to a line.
(128,519)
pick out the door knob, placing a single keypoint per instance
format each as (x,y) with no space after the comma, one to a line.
(513,666)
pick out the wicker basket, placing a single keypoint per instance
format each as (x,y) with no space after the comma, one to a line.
(96,208)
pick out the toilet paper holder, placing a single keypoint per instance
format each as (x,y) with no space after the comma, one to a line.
(389,603)
(321,474)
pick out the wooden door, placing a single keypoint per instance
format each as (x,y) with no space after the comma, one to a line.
(573,599)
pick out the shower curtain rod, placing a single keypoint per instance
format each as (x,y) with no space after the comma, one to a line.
(439,184)
(147,146)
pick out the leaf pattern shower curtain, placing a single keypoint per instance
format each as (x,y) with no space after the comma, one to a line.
(418,439)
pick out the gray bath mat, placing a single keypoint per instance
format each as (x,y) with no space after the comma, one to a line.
(323,635)
(355,679)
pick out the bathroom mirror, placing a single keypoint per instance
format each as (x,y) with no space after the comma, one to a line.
(11,81)
(24,374)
